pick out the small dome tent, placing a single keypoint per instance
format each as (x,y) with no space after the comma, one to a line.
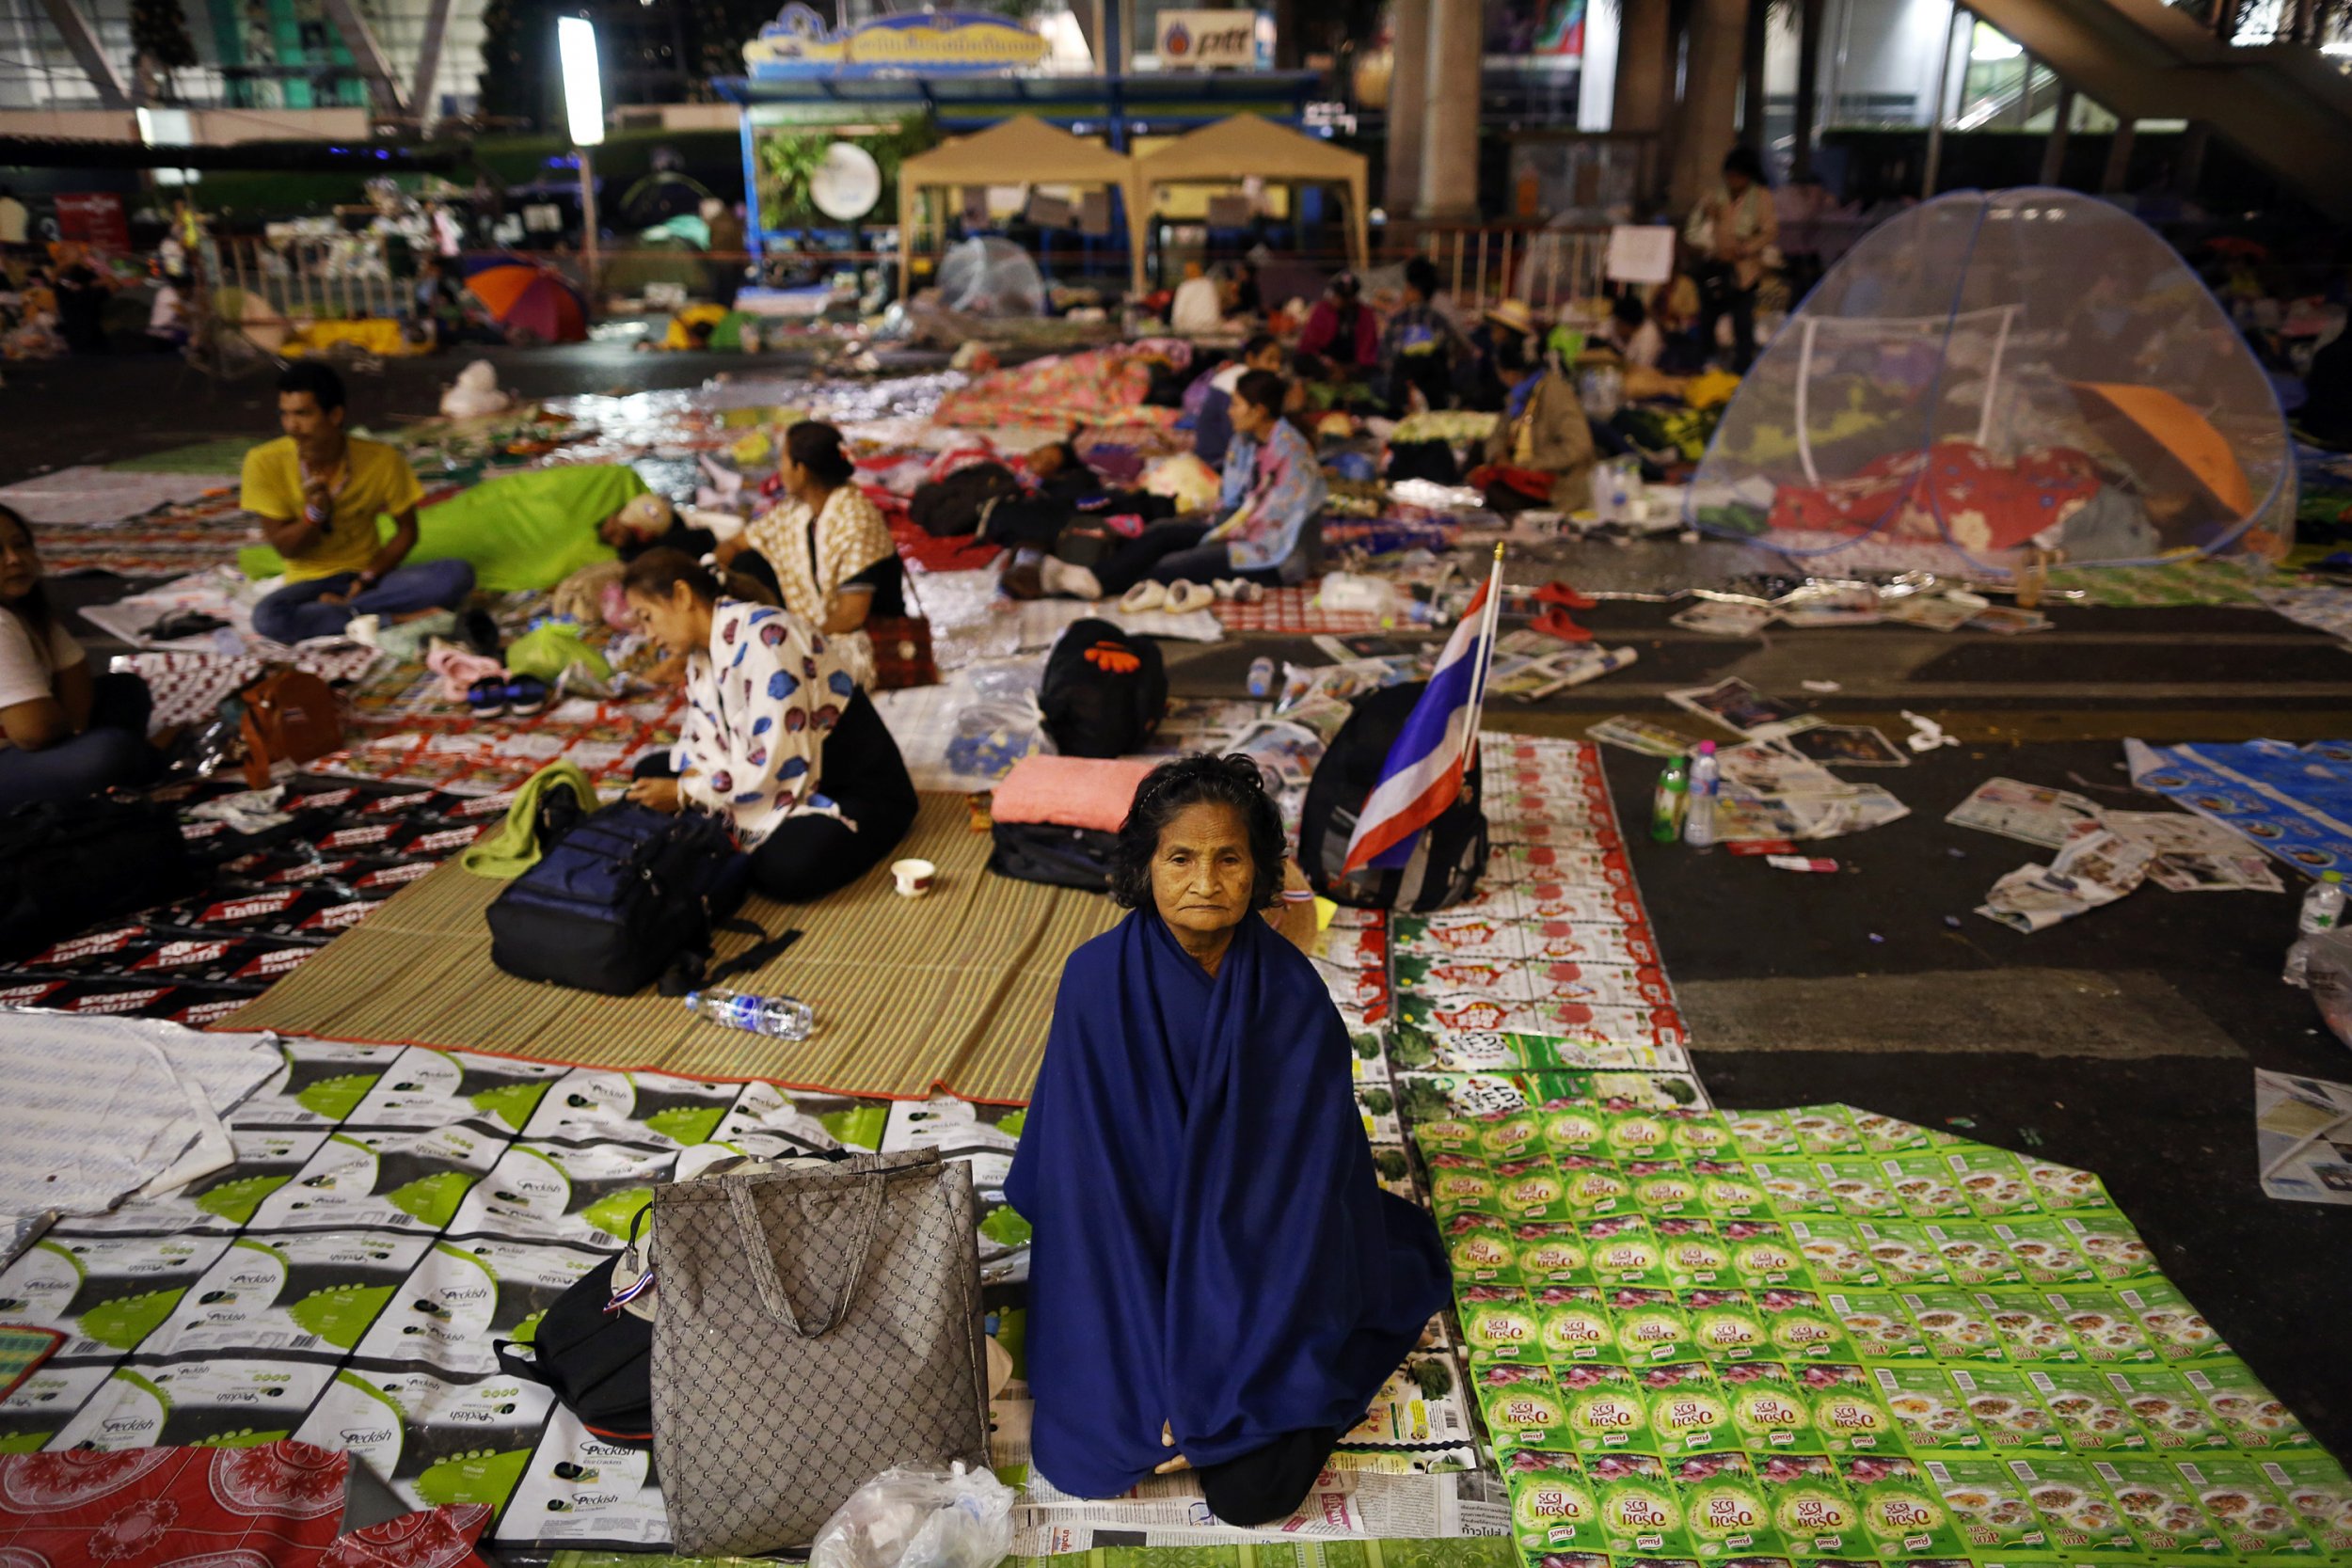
(1992,373)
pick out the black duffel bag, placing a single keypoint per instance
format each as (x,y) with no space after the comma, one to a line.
(67,864)
(1053,853)
(617,899)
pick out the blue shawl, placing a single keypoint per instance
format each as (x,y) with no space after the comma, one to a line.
(1211,1247)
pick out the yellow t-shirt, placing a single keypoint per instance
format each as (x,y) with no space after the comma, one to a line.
(376,482)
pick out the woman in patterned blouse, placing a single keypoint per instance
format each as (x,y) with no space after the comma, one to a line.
(777,739)
(834,561)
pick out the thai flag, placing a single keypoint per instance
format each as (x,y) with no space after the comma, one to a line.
(1423,773)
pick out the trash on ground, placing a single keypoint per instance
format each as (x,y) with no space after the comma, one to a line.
(2033,813)
(1741,708)
(1799,862)
(1640,734)
(1846,746)
(1724,618)
(2095,868)
(2303,1137)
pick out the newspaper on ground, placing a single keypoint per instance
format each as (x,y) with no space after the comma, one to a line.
(2095,867)
(2194,854)
(1640,734)
(2033,813)
(2303,1136)
(1741,708)
(1769,792)
(1724,618)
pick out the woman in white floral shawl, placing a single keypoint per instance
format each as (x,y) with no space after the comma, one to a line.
(835,563)
(777,739)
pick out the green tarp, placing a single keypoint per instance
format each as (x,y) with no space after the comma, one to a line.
(528,529)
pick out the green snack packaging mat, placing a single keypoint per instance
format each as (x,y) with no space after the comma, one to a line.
(2101,1324)
(1878,1325)
(1574,1130)
(2045,1250)
(1903,1514)
(1814,1512)
(1498,1323)
(2005,1408)
(1764,1252)
(1833,1251)
(1638,1134)
(1802,1327)
(2172,1323)
(1760,1135)
(2315,1486)
(1922,1185)
(2107,1240)
(1577,1327)
(1768,1411)
(1515,1136)
(2091,1415)
(2157,1506)
(1696,1253)
(1860,1187)
(1991,1180)
(1972,1254)
(1651,1326)
(1727,1326)
(1723,1508)
(1531,1191)
(1793,1187)
(1523,1408)
(1847,1411)
(1889,1134)
(1824,1130)
(2073,1505)
(1987,1504)
(1553,1506)
(1445,1133)
(1689,1412)
(1608,1413)
(1641,1512)
(1954,1325)
(1481,1251)
(1459,1184)
(2062,1188)
(2238,1498)
(1700,1134)
(1663,1188)
(1928,1409)
(2251,1415)
(1728,1189)
(1552,1255)
(2028,1326)
(1624,1251)
(2169,1406)
(1903,1252)
(1595,1186)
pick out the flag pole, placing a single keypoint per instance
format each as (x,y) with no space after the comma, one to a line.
(1485,661)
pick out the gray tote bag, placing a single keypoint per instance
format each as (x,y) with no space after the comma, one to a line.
(815,1328)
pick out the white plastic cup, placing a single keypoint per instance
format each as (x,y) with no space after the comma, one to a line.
(914,877)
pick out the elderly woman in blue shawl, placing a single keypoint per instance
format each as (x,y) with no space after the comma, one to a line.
(1217,1281)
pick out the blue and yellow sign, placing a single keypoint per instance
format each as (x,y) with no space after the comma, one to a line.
(799,44)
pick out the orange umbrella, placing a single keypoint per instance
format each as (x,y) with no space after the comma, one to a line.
(2158,434)
(522,296)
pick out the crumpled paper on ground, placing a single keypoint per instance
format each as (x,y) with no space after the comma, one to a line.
(2097,866)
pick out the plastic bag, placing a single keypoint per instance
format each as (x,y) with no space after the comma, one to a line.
(920,1519)
(991,736)
(2321,964)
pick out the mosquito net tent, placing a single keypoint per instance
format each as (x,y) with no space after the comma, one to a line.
(1995,374)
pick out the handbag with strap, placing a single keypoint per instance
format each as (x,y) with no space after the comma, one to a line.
(902,646)
(287,716)
(816,1327)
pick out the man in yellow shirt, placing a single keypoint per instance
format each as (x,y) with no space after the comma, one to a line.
(318,493)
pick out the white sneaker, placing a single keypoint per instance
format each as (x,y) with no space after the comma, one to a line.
(1076,582)
(1185,598)
(1247,591)
(1144,597)
(1228,588)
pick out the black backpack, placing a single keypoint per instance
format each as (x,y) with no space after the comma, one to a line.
(66,864)
(600,1362)
(1452,853)
(1104,691)
(957,505)
(618,897)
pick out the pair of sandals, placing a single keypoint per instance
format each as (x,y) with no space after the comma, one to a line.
(1183,598)
(1559,599)
(507,697)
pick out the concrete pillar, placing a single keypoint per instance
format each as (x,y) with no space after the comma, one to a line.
(1710,99)
(2118,159)
(1812,18)
(1448,159)
(2061,125)
(1408,76)
(1643,93)
(1754,39)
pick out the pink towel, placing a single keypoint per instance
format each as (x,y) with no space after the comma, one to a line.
(1075,792)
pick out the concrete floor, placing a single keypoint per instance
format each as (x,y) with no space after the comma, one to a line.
(2123,1041)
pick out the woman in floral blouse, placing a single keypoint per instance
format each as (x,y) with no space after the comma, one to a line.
(777,738)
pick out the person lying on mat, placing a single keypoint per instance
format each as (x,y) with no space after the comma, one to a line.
(835,563)
(64,733)
(777,738)
(1217,1280)
(318,493)
(1269,533)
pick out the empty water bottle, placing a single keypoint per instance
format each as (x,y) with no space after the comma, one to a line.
(787,1018)
(1260,676)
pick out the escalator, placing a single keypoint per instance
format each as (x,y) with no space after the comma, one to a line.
(2285,106)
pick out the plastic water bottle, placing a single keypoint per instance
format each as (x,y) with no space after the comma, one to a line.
(1673,799)
(1699,830)
(787,1018)
(1260,676)
(2322,906)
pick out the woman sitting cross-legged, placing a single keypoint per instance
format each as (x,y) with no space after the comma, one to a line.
(64,733)
(1217,1281)
(827,549)
(777,738)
